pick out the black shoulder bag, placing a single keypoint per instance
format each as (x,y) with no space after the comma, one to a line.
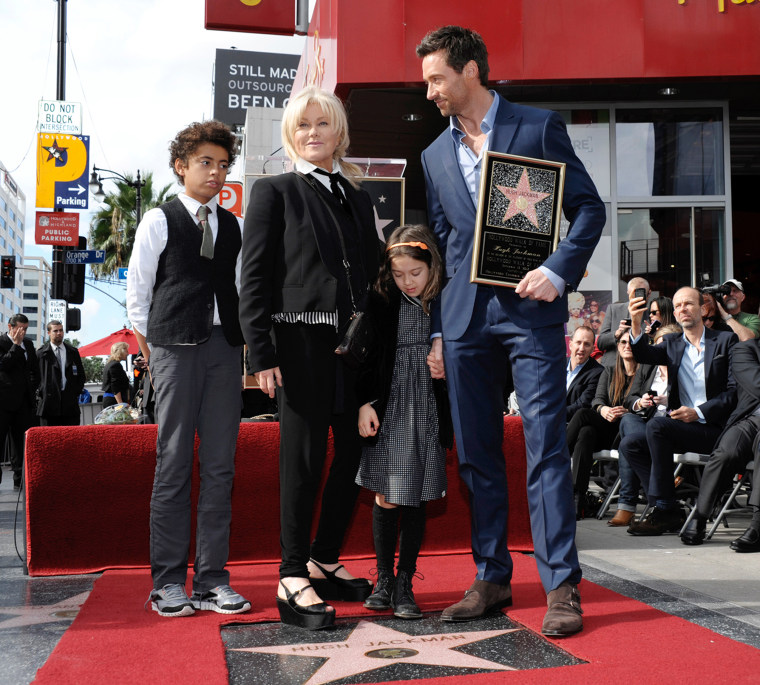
(355,346)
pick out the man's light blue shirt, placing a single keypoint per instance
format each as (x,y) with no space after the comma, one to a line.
(691,376)
(471,166)
(572,374)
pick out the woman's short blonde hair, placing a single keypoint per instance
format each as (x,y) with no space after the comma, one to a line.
(335,113)
(116,349)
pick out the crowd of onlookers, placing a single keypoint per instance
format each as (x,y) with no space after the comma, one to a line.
(44,387)
(662,377)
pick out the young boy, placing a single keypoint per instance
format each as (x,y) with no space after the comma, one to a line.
(182,300)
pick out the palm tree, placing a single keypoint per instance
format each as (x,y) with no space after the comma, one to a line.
(113,228)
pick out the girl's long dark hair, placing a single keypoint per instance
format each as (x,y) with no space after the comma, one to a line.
(618,389)
(412,233)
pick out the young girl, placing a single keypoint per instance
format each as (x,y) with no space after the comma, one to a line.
(403,415)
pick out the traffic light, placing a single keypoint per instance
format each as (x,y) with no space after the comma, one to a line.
(8,273)
(73,319)
(73,277)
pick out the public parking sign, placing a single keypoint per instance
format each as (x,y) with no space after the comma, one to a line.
(56,228)
(231,197)
(85,256)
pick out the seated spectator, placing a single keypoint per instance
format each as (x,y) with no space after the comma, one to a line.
(597,428)
(115,385)
(614,324)
(749,540)
(650,398)
(701,398)
(582,371)
(735,444)
(745,325)
(660,313)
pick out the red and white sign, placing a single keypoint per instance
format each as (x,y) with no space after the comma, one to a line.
(231,197)
(252,16)
(56,228)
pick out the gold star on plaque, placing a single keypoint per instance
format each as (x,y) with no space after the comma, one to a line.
(522,200)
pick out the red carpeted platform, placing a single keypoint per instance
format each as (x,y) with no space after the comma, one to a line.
(114,640)
(88,497)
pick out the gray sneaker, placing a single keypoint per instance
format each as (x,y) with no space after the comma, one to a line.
(171,600)
(222,599)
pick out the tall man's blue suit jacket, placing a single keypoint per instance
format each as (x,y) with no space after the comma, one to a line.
(528,132)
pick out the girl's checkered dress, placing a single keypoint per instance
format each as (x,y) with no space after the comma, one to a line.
(407,464)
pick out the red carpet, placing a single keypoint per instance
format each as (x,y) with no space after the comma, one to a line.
(88,498)
(114,640)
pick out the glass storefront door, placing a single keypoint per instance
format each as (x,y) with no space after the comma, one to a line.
(672,246)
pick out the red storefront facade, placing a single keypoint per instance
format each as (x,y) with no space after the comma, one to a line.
(661,98)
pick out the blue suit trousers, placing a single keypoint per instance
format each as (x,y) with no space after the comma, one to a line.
(476,368)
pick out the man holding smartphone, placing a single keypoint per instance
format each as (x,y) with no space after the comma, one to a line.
(616,321)
(701,398)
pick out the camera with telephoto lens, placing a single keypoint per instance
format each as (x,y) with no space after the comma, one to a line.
(718,291)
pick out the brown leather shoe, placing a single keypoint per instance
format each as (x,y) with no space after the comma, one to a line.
(621,518)
(481,599)
(563,616)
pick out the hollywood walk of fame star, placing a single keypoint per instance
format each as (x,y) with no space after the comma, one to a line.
(381,199)
(65,610)
(371,646)
(522,200)
(380,224)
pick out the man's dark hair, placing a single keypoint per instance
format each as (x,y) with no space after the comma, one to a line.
(460,45)
(189,139)
(51,323)
(17,319)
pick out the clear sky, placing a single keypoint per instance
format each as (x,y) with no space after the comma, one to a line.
(142,70)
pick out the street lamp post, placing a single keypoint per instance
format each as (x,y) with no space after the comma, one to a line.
(96,187)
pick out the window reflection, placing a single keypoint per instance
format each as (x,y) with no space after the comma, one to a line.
(589,131)
(656,243)
(669,152)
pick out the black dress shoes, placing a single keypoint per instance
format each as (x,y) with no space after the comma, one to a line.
(695,532)
(748,542)
(659,521)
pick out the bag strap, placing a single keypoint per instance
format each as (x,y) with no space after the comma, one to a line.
(346,265)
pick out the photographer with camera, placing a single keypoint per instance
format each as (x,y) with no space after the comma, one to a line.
(728,299)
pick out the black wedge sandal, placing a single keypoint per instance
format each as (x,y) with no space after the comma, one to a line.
(312,617)
(339,589)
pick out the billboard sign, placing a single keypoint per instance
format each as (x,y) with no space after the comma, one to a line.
(62,162)
(245,79)
(56,228)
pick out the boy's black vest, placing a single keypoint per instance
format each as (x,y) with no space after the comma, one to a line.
(182,308)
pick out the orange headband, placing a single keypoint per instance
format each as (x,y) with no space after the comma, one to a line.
(422,246)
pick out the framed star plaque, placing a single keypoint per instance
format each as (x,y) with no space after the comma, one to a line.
(519,211)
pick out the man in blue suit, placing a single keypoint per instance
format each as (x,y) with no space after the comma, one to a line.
(484,328)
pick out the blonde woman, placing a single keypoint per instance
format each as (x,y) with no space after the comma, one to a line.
(115,385)
(310,253)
